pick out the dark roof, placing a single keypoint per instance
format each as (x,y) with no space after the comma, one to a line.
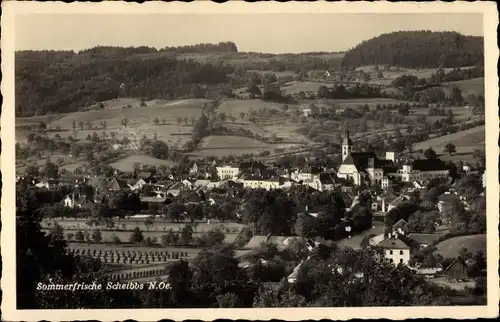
(117,184)
(428,165)
(450,198)
(393,244)
(423,238)
(312,169)
(457,261)
(360,159)
(327,178)
(252,165)
(251,176)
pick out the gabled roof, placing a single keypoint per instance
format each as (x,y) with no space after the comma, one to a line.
(423,238)
(117,184)
(361,160)
(457,261)
(395,243)
(176,186)
(400,224)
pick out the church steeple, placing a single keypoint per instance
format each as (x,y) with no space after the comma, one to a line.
(346,145)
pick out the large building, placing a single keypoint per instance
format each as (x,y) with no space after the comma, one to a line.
(362,166)
(396,250)
(366,167)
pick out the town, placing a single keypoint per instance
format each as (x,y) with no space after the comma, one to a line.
(244,179)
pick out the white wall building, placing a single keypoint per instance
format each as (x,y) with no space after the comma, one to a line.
(396,251)
(228,171)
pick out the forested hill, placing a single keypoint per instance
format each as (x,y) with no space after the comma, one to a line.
(418,49)
(64,81)
(221,47)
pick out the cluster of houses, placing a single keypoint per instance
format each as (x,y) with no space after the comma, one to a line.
(357,168)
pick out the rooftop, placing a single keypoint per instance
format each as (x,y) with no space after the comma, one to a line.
(423,238)
(395,243)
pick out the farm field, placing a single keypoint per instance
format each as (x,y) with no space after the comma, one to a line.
(307,86)
(127,164)
(157,225)
(141,120)
(286,73)
(465,141)
(450,248)
(372,102)
(235,107)
(459,112)
(220,145)
(473,86)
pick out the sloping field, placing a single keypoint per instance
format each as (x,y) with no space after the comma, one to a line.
(127,164)
(278,74)
(220,145)
(465,141)
(169,111)
(450,248)
(236,107)
(473,86)
(119,103)
(296,87)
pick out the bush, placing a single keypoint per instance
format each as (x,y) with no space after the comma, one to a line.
(79,236)
(116,239)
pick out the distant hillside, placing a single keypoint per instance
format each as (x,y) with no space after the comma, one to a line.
(64,81)
(418,49)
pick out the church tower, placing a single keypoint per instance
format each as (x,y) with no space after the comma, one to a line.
(346,145)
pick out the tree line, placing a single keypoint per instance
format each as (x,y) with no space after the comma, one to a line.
(418,49)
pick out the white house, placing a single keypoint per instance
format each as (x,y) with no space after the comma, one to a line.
(228,171)
(396,251)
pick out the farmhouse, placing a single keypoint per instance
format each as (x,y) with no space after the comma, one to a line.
(457,270)
(396,251)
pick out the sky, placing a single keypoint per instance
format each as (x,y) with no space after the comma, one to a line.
(271,33)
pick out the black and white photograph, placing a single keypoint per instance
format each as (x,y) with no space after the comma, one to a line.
(190,157)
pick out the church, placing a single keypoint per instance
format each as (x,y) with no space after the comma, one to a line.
(366,167)
(360,167)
